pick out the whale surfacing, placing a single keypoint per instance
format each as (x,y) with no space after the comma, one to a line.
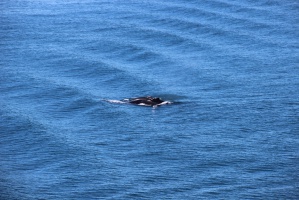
(148,101)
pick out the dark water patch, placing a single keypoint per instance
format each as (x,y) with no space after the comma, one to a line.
(124,51)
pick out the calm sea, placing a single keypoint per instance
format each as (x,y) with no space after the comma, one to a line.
(230,67)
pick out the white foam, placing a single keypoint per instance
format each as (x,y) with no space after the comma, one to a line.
(165,102)
(115,101)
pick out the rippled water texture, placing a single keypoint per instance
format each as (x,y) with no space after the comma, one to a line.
(229,67)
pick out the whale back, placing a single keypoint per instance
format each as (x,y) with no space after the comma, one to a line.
(149,101)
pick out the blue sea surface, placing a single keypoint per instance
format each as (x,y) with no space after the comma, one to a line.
(230,67)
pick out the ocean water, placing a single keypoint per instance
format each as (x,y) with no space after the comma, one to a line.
(230,67)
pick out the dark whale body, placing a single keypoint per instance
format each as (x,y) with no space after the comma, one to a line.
(147,101)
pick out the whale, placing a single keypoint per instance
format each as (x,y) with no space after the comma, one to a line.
(147,101)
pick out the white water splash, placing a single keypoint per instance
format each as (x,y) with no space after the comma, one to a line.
(115,101)
(165,102)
